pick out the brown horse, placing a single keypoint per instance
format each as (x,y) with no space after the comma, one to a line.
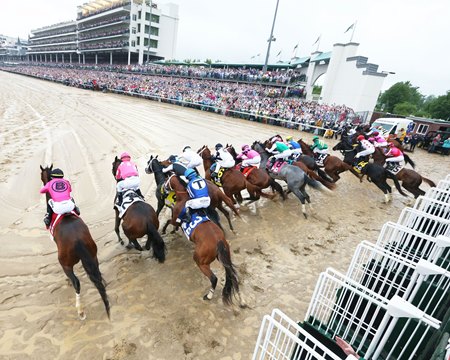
(233,181)
(411,180)
(139,220)
(333,165)
(209,244)
(217,196)
(258,177)
(75,244)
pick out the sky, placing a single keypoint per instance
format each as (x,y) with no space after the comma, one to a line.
(410,38)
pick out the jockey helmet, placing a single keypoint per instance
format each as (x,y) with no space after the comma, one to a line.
(360,137)
(371,139)
(391,144)
(190,174)
(375,133)
(125,155)
(288,138)
(186,147)
(315,138)
(245,148)
(57,173)
(172,158)
(219,146)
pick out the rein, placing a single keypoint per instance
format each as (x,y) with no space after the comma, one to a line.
(200,152)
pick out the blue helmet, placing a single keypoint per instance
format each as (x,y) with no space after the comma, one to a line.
(219,146)
(190,174)
(172,158)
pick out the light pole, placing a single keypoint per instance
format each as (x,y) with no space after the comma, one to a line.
(149,31)
(271,38)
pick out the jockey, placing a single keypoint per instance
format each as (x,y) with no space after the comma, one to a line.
(176,166)
(379,141)
(223,159)
(249,156)
(367,147)
(190,158)
(197,189)
(276,137)
(394,155)
(279,150)
(60,201)
(128,176)
(293,145)
(320,149)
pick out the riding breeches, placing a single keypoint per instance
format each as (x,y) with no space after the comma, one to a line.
(365,152)
(297,151)
(255,161)
(131,182)
(62,207)
(199,203)
(395,159)
(194,163)
(318,151)
(284,155)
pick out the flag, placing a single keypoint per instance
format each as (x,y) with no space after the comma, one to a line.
(252,57)
(279,53)
(258,55)
(296,46)
(350,27)
(317,40)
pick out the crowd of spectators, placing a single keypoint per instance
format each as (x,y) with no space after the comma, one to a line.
(70,38)
(53,48)
(255,102)
(84,26)
(72,28)
(99,34)
(103,9)
(115,44)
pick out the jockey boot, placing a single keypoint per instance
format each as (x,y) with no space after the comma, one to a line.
(138,191)
(119,197)
(188,215)
(77,210)
(47,220)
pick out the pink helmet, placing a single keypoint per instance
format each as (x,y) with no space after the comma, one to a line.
(375,133)
(371,139)
(245,148)
(125,155)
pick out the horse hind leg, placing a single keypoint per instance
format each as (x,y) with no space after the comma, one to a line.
(206,270)
(134,244)
(76,285)
(301,197)
(116,228)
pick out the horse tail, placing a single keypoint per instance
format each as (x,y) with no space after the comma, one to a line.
(278,188)
(330,185)
(92,269)
(428,181)
(158,245)
(408,160)
(315,184)
(231,281)
(397,184)
(229,203)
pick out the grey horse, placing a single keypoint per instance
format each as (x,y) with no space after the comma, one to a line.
(295,178)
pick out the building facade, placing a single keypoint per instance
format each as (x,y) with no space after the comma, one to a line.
(110,31)
(12,49)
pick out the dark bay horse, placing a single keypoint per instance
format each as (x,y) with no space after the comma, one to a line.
(217,196)
(295,178)
(375,172)
(209,244)
(139,220)
(258,177)
(411,180)
(75,244)
(333,165)
(233,181)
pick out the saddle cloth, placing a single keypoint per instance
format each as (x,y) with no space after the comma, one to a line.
(129,198)
(276,167)
(320,159)
(246,171)
(394,168)
(217,179)
(56,219)
(196,220)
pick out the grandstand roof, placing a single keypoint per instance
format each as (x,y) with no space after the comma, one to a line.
(322,57)
(300,61)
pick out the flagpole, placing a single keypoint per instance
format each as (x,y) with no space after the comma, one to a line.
(318,43)
(353,30)
(270,38)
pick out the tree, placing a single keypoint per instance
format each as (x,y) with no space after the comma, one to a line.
(317,89)
(439,108)
(401,92)
(405,108)
(208,61)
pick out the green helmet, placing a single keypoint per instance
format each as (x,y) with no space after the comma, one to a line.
(315,138)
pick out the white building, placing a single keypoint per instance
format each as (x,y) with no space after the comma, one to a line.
(110,31)
(12,49)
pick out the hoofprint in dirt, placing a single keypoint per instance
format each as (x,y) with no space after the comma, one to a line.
(156,309)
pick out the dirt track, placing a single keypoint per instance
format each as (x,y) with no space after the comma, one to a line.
(157,310)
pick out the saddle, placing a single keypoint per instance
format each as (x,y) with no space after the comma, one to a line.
(129,198)
(217,179)
(56,219)
(360,166)
(246,171)
(276,166)
(196,219)
(320,159)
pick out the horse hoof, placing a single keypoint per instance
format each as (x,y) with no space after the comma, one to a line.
(129,246)
(121,242)
(82,316)
(206,297)
(306,216)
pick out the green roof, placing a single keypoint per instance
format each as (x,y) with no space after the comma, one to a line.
(322,57)
(300,61)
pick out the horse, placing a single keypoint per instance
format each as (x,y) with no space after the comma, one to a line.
(139,220)
(75,244)
(209,244)
(154,166)
(376,173)
(363,130)
(295,177)
(411,180)
(233,181)
(257,176)
(332,164)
